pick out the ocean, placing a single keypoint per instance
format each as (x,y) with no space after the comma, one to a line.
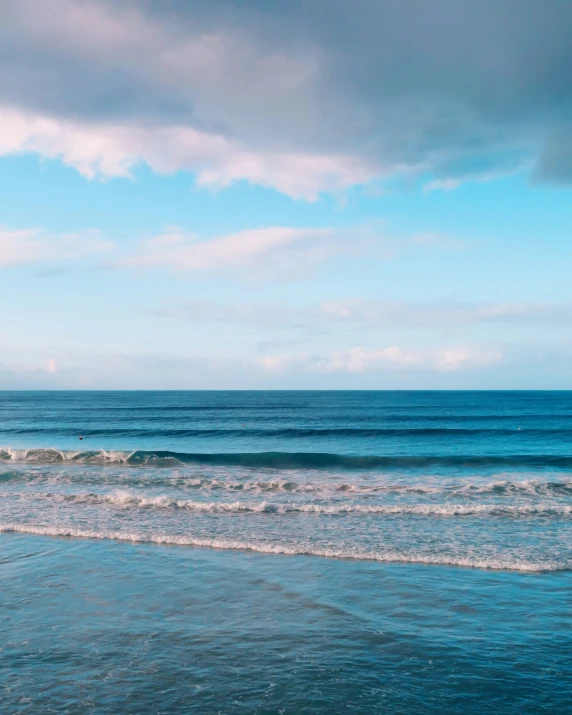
(285,552)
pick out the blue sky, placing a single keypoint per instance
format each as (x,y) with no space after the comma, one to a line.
(208,195)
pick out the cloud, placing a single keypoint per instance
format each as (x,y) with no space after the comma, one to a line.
(32,246)
(264,253)
(555,162)
(267,315)
(142,89)
(444,314)
(303,97)
(270,253)
(363,313)
(518,366)
(104,150)
(28,374)
(361,359)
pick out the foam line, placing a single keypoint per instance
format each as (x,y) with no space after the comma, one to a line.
(129,499)
(499,564)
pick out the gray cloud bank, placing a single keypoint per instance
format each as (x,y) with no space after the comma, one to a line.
(302,96)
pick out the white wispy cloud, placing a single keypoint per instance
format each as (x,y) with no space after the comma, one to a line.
(264,253)
(453,314)
(269,253)
(29,246)
(363,313)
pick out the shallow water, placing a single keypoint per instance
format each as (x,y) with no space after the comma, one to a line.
(108,627)
(369,552)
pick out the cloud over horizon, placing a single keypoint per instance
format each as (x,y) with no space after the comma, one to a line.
(394,357)
(452,366)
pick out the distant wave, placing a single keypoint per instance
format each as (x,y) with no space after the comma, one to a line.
(288,432)
(492,563)
(283,460)
(408,414)
(130,499)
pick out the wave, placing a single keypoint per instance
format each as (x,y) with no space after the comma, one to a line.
(129,499)
(288,432)
(13,476)
(283,460)
(235,483)
(57,456)
(491,563)
(176,479)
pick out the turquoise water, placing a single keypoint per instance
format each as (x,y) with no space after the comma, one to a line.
(285,552)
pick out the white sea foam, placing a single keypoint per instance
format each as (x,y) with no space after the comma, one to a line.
(234,480)
(127,499)
(56,456)
(494,563)
(533,487)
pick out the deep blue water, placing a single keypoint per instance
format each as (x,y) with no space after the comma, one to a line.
(286,552)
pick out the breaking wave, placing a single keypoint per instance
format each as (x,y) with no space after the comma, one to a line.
(281,460)
(129,499)
(302,483)
(492,563)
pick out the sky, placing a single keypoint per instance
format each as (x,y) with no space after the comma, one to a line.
(297,194)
